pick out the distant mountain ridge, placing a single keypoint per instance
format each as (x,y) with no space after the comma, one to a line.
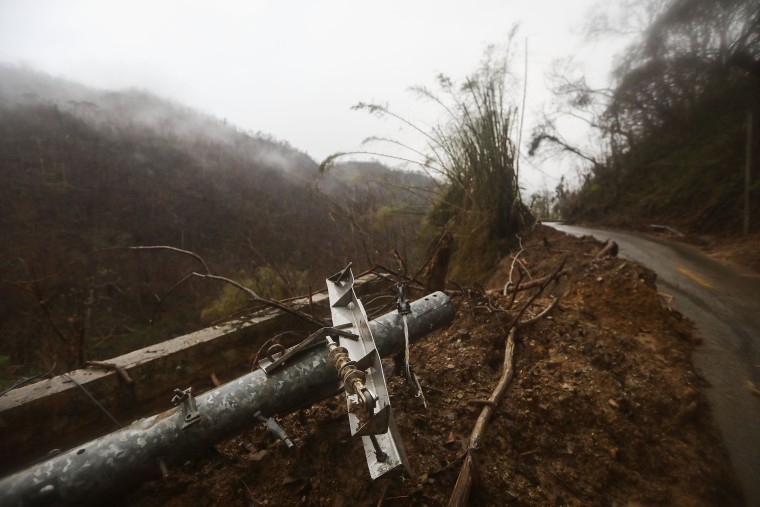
(140,108)
(88,171)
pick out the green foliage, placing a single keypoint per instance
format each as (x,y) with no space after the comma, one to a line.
(264,281)
(473,154)
(675,123)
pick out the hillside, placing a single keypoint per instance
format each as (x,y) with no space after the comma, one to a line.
(88,173)
(604,405)
(678,126)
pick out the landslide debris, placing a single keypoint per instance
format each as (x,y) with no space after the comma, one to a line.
(605,408)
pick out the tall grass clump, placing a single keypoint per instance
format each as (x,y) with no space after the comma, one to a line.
(473,157)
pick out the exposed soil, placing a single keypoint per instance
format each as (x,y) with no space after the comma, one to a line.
(605,408)
(743,252)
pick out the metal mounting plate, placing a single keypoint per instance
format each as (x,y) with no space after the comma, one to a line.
(349,315)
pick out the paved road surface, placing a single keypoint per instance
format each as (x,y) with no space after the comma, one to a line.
(725,306)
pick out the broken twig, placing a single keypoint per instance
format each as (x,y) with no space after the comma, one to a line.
(543,313)
(112,367)
(467,473)
(610,249)
(537,282)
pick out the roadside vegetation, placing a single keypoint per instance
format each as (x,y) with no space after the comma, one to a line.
(472,156)
(673,129)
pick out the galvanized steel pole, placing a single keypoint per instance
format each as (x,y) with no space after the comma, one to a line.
(138,452)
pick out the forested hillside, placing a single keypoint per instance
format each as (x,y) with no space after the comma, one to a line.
(675,125)
(87,174)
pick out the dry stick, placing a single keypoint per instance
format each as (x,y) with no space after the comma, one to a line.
(546,281)
(543,313)
(409,281)
(382,496)
(112,367)
(466,474)
(539,281)
(173,249)
(514,259)
(267,302)
(514,293)
(166,295)
(610,249)
(207,274)
(461,491)
(454,462)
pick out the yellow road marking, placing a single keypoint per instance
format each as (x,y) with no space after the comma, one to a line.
(694,277)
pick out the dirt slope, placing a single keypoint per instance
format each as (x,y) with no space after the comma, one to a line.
(604,409)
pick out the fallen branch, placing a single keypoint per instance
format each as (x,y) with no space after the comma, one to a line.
(467,473)
(543,313)
(514,292)
(173,249)
(514,260)
(267,302)
(545,283)
(461,491)
(610,249)
(208,275)
(112,367)
(447,467)
(538,281)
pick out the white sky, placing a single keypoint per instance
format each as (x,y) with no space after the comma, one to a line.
(294,68)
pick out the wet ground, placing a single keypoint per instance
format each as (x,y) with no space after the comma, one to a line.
(725,306)
(605,408)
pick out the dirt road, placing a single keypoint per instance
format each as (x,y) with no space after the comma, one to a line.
(725,306)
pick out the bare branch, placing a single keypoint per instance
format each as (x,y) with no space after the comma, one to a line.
(173,249)
(541,315)
(266,302)
(461,492)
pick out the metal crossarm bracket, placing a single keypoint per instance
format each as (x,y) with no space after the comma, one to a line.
(190,413)
(369,408)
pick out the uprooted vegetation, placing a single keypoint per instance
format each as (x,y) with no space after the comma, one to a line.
(474,158)
(604,408)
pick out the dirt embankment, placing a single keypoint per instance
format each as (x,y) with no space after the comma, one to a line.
(742,251)
(604,409)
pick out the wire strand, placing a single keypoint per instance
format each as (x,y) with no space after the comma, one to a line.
(92,398)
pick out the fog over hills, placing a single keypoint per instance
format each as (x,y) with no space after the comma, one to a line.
(89,172)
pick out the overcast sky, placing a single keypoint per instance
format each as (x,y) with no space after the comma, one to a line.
(294,68)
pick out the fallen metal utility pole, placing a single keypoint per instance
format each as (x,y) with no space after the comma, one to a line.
(299,378)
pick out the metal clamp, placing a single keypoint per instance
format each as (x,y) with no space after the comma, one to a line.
(403,306)
(274,428)
(190,413)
